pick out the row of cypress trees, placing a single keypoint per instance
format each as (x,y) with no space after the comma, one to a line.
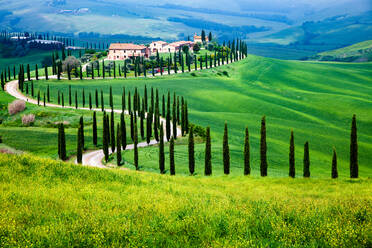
(263,154)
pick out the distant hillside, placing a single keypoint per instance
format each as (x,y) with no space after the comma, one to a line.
(328,34)
(360,52)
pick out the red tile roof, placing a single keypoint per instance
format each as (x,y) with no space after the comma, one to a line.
(125,46)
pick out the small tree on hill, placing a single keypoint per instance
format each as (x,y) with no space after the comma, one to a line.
(353,149)
(306,160)
(263,148)
(247,166)
(226,152)
(334,164)
(208,154)
(191,152)
(292,171)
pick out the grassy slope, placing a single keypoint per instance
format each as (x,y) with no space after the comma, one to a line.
(361,50)
(48,203)
(316,100)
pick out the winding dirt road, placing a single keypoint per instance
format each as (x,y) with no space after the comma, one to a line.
(90,158)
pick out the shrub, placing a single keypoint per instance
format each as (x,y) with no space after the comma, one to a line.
(28,120)
(16,107)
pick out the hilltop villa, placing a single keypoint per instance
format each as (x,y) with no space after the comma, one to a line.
(198,39)
(163,47)
(120,51)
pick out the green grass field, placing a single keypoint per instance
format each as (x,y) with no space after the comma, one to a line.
(359,52)
(49,203)
(316,100)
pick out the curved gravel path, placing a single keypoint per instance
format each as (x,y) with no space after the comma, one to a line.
(90,158)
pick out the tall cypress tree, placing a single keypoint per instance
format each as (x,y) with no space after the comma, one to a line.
(135,146)
(163,107)
(111,99)
(131,126)
(96,94)
(79,146)
(36,72)
(123,100)
(123,131)
(247,165)
(94,128)
(191,152)
(46,72)
(118,145)
(306,160)
(168,117)
(76,100)
(82,132)
(48,93)
(83,98)
(28,73)
(105,137)
(208,154)
(334,164)
(62,144)
(174,118)
(353,149)
(292,168)
(148,128)
(90,101)
(161,150)
(156,124)
(112,130)
(263,148)
(69,95)
(171,157)
(226,152)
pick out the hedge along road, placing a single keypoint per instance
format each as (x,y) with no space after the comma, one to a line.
(91,158)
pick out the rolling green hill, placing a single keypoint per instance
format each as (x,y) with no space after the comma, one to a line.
(316,100)
(48,203)
(360,52)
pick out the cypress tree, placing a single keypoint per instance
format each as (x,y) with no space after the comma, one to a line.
(161,150)
(81,73)
(353,149)
(129,102)
(118,145)
(111,99)
(90,101)
(36,72)
(208,154)
(263,148)
(334,164)
(174,118)
(32,88)
(48,93)
(2,81)
(191,152)
(68,72)
(63,100)
(105,137)
(186,118)
(94,128)
(123,131)
(82,132)
(226,152)
(292,168)
(79,146)
(103,69)
(131,126)
(306,160)
(28,73)
(135,146)
(148,128)
(168,117)
(145,99)
(156,125)
(44,100)
(38,98)
(247,165)
(62,143)
(46,72)
(142,130)
(178,111)
(112,130)
(163,107)
(171,157)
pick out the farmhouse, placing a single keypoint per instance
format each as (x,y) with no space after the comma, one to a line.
(158,46)
(163,47)
(198,39)
(120,51)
